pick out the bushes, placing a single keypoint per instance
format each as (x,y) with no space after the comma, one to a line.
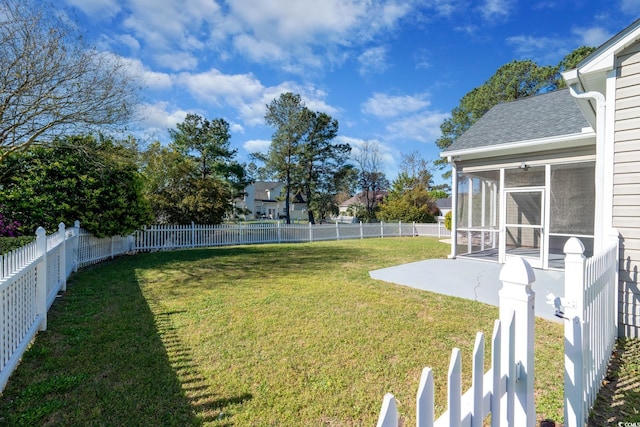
(8,244)
(447,221)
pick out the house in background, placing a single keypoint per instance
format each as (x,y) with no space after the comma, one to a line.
(265,200)
(347,208)
(444,206)
(532,173)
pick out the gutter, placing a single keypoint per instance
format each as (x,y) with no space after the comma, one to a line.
(601,108)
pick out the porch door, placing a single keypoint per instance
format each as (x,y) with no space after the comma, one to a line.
(522,230)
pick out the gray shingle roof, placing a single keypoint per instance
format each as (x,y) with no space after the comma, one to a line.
(541,116)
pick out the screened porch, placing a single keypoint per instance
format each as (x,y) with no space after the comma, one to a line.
(524,210)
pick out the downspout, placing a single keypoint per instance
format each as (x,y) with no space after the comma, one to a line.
(454,207)
(601,107)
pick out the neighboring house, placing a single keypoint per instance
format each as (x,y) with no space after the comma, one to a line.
(265,200)
(444,206)
(346,208)
(532,173)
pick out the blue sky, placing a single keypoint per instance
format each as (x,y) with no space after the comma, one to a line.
(389,71)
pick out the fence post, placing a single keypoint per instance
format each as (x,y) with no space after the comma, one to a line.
(574,394)
(399,228)
(41,277)
(381,229)
(193,235)
(518,299)
(310,233)
(279,233)
(76,245)
(63,256)
(337,231)
(361,231)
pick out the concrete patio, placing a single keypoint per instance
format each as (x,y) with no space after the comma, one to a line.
(471,279)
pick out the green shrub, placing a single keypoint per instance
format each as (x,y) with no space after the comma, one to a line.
(447,221)
(7,244)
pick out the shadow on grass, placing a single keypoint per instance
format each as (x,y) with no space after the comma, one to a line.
(619,399)
(107,360)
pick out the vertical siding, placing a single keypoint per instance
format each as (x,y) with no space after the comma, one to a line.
(626,186)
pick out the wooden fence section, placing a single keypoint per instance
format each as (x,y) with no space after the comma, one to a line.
(591,325)
(506,390)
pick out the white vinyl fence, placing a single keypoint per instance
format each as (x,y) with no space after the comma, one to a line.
(167,237)
(591,325)
(32,276)
(506,390)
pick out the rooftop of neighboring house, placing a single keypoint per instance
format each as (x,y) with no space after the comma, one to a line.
(361,198)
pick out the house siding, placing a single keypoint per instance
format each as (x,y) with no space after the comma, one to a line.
(626,186)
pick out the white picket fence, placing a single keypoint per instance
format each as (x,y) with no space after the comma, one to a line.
(167,237)
(506,390)
(31,278)
(590,306)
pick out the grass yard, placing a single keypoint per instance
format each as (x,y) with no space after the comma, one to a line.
(271,335)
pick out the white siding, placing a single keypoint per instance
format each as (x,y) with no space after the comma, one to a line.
(626,182)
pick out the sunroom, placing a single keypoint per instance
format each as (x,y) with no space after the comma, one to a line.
(524,182)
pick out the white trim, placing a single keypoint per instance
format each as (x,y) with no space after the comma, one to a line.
(609,151)
(454,208)
(513,165)
(557,141)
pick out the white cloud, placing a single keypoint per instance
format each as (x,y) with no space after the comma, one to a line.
(544,49)
(382,105)
(151,79)
(96,8)
(423,127)
(177,61)
(373,61)
(246,94)
(214,86)
(495,9)
(158,116)
(129,41)
(257,146)
(593,36)
(291,35)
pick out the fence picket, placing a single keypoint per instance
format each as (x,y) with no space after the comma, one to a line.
(389,412)
(425,400)
(477,382)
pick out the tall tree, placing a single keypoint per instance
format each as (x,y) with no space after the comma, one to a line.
(176,191)
(411,197)
(372,181)
(51,82)
(208,143)
(320,161)
(94,180)
(290,118)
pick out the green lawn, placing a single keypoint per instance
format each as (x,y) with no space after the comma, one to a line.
(282,335)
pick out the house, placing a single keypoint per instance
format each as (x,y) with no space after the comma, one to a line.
(265,200)
(347,208)
(444,206)
(532,173)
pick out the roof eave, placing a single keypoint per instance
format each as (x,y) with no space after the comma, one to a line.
(558,142)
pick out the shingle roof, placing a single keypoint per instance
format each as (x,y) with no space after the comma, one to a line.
(541,116)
